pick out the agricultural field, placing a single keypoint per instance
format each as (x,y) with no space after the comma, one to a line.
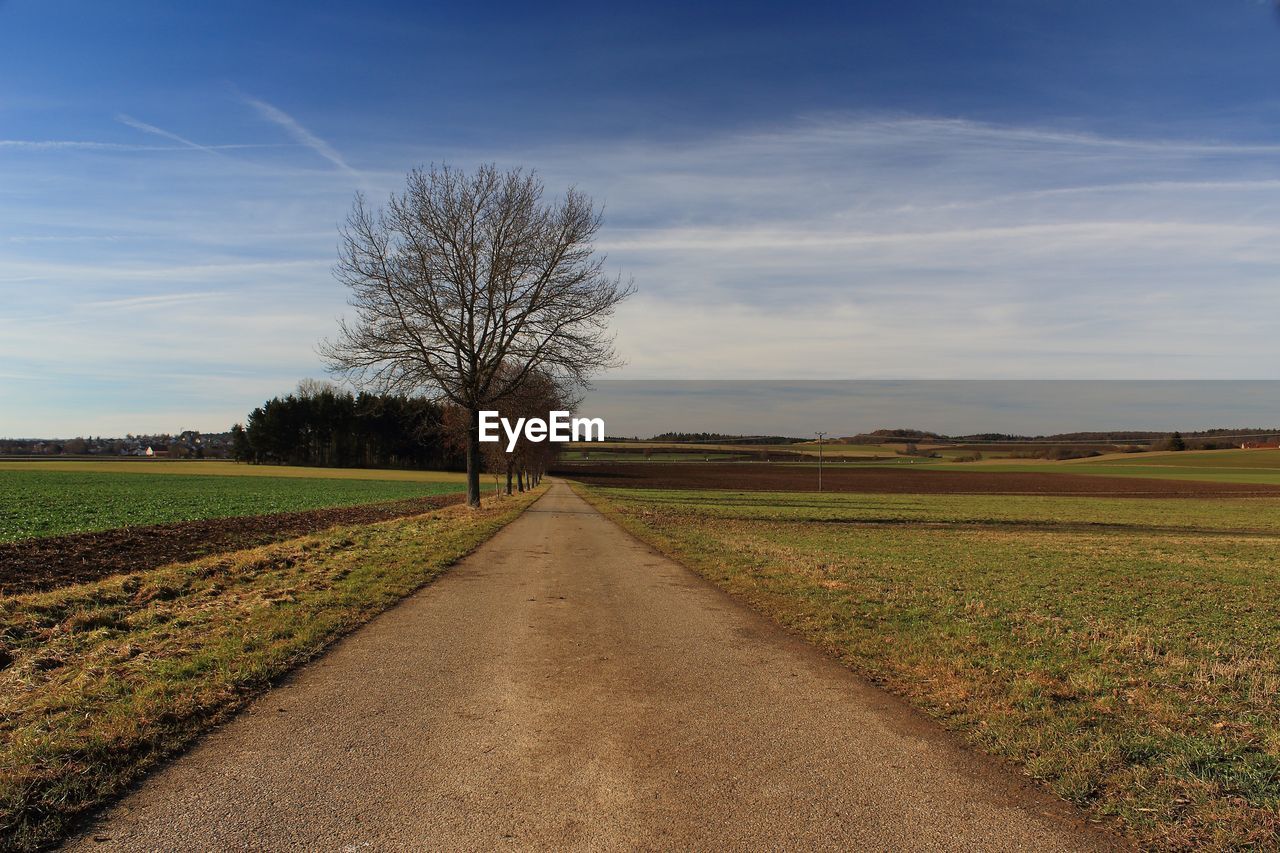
(1246,467)
(1257,467)
(230,469)
(1121,650)
(1251,459)
(1013,454)
(57,498)
(905,476)
(142,602)
(650,456)
(691,452)
(102,681)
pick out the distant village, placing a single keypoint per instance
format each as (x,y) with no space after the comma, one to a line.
(189,444)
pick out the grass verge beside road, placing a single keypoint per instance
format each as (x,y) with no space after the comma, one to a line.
(1134,668)
(99,682)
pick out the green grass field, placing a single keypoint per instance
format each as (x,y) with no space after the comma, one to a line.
(57,498)
(230,469)
(1258,467)
(1124,652)
(1251,459)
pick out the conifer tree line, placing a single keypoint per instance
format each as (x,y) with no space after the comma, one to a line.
(324,426)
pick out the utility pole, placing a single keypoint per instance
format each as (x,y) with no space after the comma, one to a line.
(819,435)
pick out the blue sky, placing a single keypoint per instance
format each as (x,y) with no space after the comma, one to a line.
(1009,189)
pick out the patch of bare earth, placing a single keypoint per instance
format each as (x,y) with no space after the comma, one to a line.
(33,565)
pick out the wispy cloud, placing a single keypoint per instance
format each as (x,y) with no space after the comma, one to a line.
(994,133)
(162,300)
(1267,185)
(61,238)
(159,131)
(91,145)
(12,271)
(295,129)
(78,144)
(768,240)
(874,246)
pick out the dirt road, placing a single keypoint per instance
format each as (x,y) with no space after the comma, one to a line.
(564,687)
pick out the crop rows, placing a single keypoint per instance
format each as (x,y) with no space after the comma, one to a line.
(54,503)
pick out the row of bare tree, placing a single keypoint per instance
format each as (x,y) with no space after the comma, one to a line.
(471,289)
(523,466)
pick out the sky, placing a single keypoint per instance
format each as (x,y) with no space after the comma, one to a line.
(1011,189)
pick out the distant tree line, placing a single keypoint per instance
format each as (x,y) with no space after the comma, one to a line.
(324,426)
(722,438)
(1209,439)
(891,435)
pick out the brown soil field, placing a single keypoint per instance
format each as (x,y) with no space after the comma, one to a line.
(31,565)
(884,480)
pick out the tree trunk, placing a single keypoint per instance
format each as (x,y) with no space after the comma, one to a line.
(520,479)
(509,477)
(473,459)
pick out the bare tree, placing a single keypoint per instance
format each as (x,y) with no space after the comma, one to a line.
(464,284)
(536,397)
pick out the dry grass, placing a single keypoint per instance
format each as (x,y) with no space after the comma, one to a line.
(99,682)
(1134,670)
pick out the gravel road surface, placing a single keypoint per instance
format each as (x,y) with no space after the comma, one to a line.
(565,687)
